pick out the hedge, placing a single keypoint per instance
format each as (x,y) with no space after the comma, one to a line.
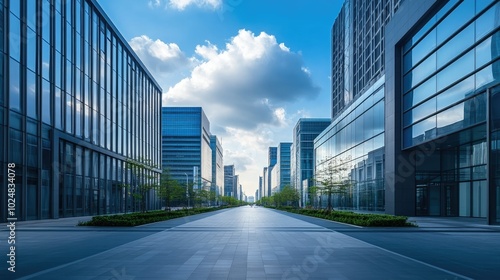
(136,219)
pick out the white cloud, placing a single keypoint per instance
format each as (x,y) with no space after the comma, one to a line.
(207,52)
(158,56)
(248,83)
(182,4)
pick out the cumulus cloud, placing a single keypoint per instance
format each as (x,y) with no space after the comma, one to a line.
(182,4)
(246,84)
(158,56)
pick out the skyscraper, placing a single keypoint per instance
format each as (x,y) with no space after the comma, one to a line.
(283,165)
(186,145)
(271,161)
(418,136)
(217,166)
(78,110)
(302,154)
(229,173)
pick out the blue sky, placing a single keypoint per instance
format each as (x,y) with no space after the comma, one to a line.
(255,67)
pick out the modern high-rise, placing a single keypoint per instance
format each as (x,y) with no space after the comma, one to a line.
(358,48)
(259,190)
(236,187)
(186,150)
(217,166)
(442,93)
(283,165)
(271,162)
(229,173)
(79,113)
(435,150)
(265,182)
(302,153)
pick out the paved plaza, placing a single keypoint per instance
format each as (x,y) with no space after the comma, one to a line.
(254,243)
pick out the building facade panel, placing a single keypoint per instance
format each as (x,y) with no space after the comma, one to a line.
(441,88)
(302,154)
(186,147)
(80,114)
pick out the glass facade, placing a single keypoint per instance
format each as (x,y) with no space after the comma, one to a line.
(358,48)
(302,163)
(283,165)
(77,105)
(229,174)
(186,145)
(271,161)
(354,141)
(447,67)
(450,73)
(217,166)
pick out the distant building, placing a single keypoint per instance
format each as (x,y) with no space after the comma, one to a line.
(302,154)
(217,166)
(283,166)
(229,173)
(186,145)
(272,159)
(259,190)
(265,182)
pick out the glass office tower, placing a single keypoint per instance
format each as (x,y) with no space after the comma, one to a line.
(186,147)
(302,154)
(229,173)
(217,166)
(77,108)
(354,144)
(283,165)
(443,64)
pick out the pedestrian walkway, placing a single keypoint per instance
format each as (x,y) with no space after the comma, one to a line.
(244,243)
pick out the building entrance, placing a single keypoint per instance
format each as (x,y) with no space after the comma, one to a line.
(451,180)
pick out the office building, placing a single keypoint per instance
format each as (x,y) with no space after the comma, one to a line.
(265,182)
(229,173)
(186,150)
(442,84)
(79,113)
(302,153)
(358,48)
(217,166)
(259,190)
(435,151)
(236,187)
(271,161)
(282,166)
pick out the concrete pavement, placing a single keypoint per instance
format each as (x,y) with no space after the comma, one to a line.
(249,243)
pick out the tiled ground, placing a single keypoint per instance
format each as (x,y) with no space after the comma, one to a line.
(245,243)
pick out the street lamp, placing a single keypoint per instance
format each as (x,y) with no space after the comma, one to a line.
(187,188)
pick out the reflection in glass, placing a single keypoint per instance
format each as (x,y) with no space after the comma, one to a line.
(14,85)
(15,37)
(422,71)
(456,70)
(45,60)
(488,21)
(455,93)
(451,119)
(461,14)
(424,130)
(46,104)
(31,49)
(420,112)
(423,48)
(455,46)
(31,108)
(484,78)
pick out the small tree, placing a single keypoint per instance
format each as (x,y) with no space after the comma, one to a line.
(331,180)
(140,183)
(170,189)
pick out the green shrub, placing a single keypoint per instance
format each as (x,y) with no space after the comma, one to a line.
(366,220)
(135,219)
